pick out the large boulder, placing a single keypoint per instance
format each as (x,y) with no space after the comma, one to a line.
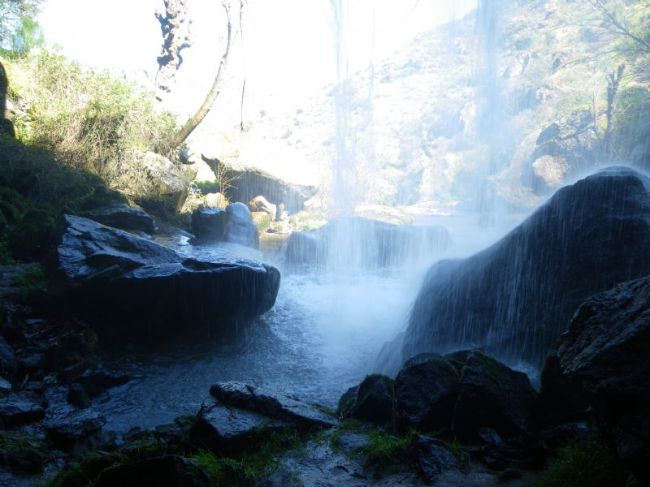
(515,298)
(436,393)
(132,288)
(371,401)
(234,224)
(124,217)
(153,181)
(366,243)
(246,183)
(606,350)
(272,405)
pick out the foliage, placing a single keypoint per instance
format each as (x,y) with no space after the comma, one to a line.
(33,279)
(18,28)
(88,119)
(590,465)
(22,453)
(387,452)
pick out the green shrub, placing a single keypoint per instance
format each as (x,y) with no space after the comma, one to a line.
(88,119)
(590,465)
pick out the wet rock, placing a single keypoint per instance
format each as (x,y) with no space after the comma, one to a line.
(209,224)
(303,248)
(20,408)
(585,239)
(220,428)
(425,394)
(68,431)
(100,379)
(433,457)
(384,244)
(234,224)
(124,217)
(505,396)
(5,387)
(560,400)
(164,470)
(77,396)
(351,443)
(606,350)
(131,288)
(8,362)
(240,227)
(276,406)
(346,401)
(372,401)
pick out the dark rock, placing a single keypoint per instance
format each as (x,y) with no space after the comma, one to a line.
(240,227)
(606,350)
(515,298)
(5,387)
(560,400)
(425,394)
(384,244)
(124,217)
(7,127)
(19,409)
(276,406)
(99,380)
(346,401)
(165,470)
(220,428)
(8,362)
(23,455)
(373,401)
(505,396)
(209,224)
(234,224)
(131,288)
(66,432)
(433,458)
(77,396)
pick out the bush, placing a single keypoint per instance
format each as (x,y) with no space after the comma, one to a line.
(591,465)
(88,119)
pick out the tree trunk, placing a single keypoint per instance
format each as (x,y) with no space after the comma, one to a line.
(188,127)
(175,28)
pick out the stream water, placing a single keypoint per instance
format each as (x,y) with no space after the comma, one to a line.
(321,337)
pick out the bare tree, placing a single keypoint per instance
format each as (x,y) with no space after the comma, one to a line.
(175,29)
(194,120)
(613,82)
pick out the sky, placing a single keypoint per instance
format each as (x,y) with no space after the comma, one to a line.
(288,45)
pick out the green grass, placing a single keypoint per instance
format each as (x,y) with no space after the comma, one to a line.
(590,465)
(387,452)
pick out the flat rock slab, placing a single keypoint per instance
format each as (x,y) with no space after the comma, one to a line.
(19,409)
(276,406)
(130,288)
(219,427)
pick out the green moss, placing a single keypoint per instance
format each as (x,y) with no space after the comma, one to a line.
(22,454)
(251,465)
(459,452)
(33,279)
(387,452)
(591,465)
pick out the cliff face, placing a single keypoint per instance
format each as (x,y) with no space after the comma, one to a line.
(501,107)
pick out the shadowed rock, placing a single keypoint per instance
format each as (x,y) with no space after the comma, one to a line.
(606,350)
(515,298)
(132,288)
(276,406)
